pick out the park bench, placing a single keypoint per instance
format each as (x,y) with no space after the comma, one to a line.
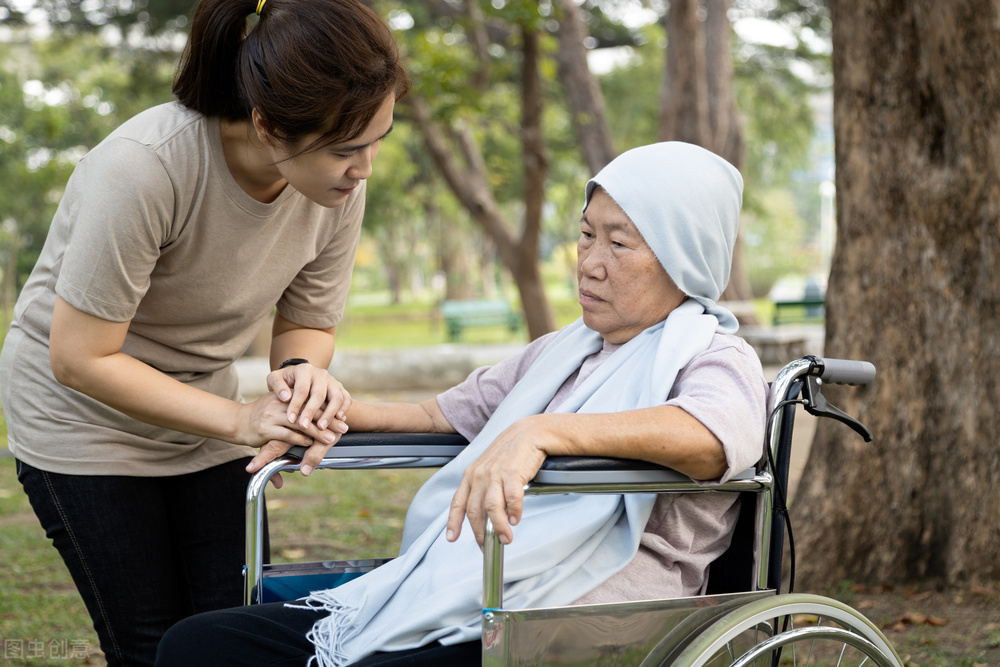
(801,310)
(460,314)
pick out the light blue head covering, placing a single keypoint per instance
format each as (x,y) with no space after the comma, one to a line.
(685,201)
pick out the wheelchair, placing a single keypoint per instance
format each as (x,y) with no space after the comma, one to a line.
(741,619)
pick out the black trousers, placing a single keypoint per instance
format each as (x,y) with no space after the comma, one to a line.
(145,552)
(273,635)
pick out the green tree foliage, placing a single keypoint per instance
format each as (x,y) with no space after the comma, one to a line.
(109,59)
(58,98)
(77,16)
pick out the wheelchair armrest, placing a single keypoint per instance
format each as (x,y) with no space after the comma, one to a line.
(379,445)
(568,470)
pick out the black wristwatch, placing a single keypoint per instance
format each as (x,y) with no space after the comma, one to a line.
(295,361)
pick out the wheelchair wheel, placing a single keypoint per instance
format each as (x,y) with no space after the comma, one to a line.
(788,630)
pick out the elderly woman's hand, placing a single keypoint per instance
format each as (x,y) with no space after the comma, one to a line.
(493,485)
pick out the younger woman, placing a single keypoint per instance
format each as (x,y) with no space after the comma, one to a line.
(175,240)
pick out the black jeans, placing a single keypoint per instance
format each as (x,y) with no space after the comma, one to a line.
(273,635)
(145,552)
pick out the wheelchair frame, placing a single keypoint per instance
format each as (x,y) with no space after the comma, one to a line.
(742,620)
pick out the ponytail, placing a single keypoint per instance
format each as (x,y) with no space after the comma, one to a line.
(206,78)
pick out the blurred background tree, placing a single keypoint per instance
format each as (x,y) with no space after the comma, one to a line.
(515,104)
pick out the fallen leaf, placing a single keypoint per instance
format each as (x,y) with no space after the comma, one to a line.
(917,618)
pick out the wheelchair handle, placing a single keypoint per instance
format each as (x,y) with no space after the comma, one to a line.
(845,371)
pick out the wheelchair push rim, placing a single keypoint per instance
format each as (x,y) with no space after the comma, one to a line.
(752,635)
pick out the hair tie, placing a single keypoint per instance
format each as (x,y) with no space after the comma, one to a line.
(260,6)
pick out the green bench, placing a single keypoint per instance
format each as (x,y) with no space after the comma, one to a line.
(460,314)
(803,310)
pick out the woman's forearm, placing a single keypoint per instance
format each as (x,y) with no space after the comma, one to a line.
(289,340)
(665,435)
(84,354)
(424,417)
(144,393)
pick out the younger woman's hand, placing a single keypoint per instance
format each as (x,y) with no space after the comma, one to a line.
(313,396)
(264,424)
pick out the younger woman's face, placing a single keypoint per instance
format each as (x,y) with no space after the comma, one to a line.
(329,174)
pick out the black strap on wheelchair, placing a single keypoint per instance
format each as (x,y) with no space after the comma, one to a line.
(779,469)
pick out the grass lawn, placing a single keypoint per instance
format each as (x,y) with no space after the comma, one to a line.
(374,325)
(41,612)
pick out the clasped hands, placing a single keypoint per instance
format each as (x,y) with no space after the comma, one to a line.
(306,407)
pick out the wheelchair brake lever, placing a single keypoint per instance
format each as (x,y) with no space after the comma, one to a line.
(817,405)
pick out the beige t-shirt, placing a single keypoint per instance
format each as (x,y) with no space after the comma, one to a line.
(153,229)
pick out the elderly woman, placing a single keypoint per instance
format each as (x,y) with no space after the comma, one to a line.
(650,372)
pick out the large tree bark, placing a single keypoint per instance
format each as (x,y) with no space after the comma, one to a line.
(460,160)
(914,289)
(527,272)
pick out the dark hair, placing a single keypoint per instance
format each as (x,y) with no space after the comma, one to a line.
(307,66)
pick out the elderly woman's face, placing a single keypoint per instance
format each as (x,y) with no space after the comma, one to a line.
(623,287)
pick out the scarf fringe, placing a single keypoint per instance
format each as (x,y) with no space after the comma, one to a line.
(330,634)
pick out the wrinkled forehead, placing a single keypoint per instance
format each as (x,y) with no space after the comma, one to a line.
(603,213)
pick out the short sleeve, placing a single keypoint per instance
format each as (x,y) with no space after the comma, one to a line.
(724,389)
(119,201)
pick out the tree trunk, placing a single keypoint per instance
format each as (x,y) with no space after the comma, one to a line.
(468,180)
(527,273)
(685,89)
(914,289)
(698,105)
(586,103)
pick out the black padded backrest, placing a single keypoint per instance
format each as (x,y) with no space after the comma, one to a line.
(732,572)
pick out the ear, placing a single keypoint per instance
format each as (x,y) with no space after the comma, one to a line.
(262,128)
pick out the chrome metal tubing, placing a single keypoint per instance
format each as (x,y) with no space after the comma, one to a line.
(253,568)
(811,635)
(762,540)
(492,569)
(253,557)
(779,392)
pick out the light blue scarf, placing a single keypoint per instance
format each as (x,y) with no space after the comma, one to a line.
(564,546)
